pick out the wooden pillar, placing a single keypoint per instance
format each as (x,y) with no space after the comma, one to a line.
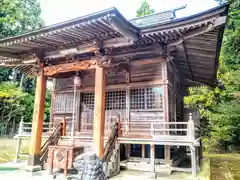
(167,154)
(193,161)
(52,110)
(99,110)
(166,107)
(127,150)
(152,157)
(37,122)
(78,110)
(143,150)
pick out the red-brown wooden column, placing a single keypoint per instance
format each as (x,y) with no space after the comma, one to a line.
(37,122)
(99,110)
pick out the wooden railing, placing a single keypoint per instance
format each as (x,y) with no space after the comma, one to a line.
(156,130)
(110,145)
(25,128)
(52,140)
(52,131)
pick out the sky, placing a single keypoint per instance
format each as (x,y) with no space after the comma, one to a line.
(55,11)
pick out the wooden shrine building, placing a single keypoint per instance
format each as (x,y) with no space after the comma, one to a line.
(107,69)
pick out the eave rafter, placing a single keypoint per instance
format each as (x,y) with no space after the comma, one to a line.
(94,46)
(208,26)
(183,49)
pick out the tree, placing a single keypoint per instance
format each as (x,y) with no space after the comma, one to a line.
(16,17)
(221,105)
(144,9)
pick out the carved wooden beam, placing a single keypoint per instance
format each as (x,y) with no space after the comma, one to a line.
(67,67)
(92,63)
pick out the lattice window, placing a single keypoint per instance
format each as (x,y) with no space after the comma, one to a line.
(146,98)
(87,102)
(137,99)
(59,103)
(69,103)
(154,98)
(63,103)
(116,100)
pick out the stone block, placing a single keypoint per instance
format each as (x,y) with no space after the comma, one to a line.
(33,168)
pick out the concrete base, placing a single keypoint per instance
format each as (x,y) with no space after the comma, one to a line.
(33,168)
(146,167)
(193,178)
(163,170)
(153,176)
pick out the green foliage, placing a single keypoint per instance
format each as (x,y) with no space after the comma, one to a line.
(221,105)
(17,16)
(144,9)
(9,90)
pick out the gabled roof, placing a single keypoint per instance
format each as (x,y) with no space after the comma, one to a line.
(196,39)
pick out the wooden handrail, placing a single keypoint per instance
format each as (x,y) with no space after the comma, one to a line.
(111,143)
(52,139)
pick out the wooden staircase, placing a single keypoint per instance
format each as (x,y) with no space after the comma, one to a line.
(52,140)
(111,157)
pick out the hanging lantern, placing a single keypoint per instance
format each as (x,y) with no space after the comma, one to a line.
(77,81)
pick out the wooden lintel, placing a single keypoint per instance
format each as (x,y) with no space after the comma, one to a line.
(130,85)
(90,64)
(67,67)
(119,86)
(146,61)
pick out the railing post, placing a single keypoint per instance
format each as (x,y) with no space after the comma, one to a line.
(119,133)
(194,162)
(191,128)
(19,140)
(152,160)
(63,127)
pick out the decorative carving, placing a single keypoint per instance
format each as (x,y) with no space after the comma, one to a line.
(105,61)
(89,167)
(75,66)
(60,155)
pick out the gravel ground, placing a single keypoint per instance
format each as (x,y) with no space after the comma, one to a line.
(124,175)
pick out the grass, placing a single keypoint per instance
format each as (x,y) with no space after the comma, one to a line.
(204,174)
(220,167)
(8,149)
(225,167)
